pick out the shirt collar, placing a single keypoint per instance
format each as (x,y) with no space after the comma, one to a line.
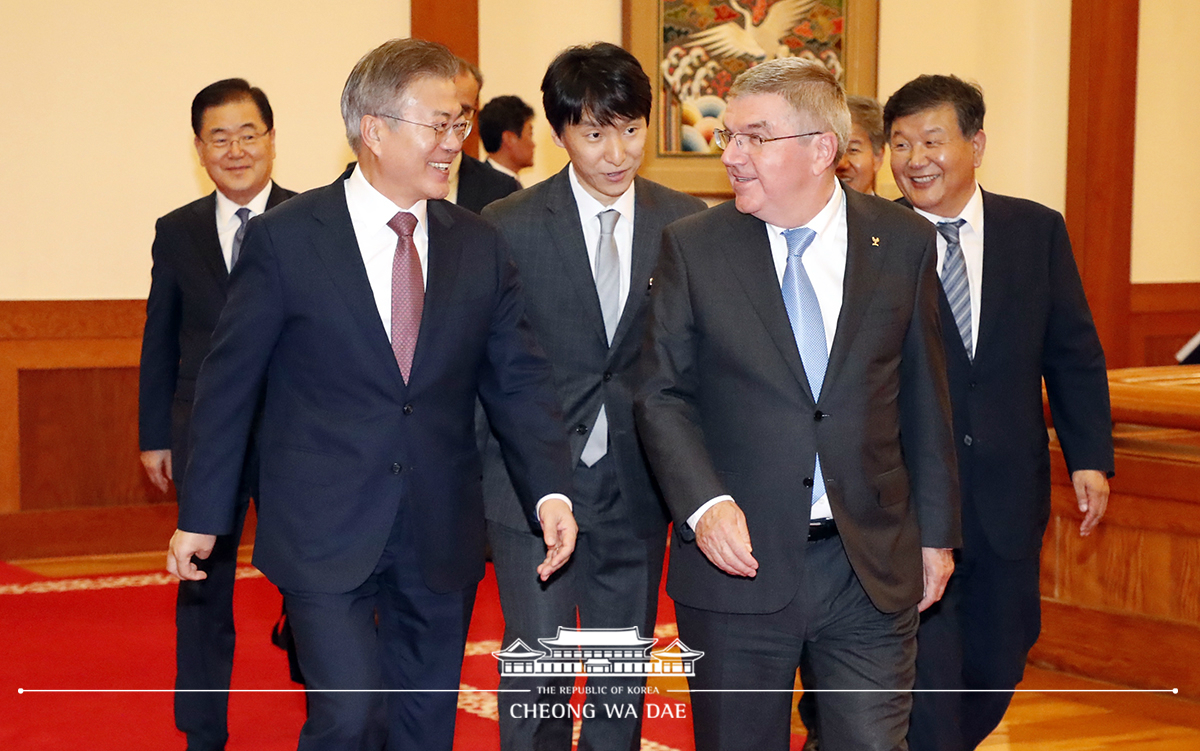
(590,207)
(226,209)
(972,213)
(375,208)
(501,168)
(822,223)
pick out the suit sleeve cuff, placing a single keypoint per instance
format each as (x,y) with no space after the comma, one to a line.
(537,510)
(694,519)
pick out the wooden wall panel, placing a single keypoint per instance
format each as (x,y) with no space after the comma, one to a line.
(1123,604)
(1099,202)
(454,23)
(79,439)
(1162,318)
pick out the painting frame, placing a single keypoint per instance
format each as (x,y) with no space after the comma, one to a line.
(702,174)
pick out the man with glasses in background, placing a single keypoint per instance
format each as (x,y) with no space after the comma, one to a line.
(474,184)
(794,409)
(195,247)
(370,314)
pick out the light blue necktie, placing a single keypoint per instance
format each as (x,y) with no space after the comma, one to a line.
(243,215)
(808,328)
(954,281)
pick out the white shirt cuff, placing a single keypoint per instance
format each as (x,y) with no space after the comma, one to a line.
(537,510)
(694,519)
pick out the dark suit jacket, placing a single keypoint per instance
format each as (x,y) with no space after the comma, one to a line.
(541,226)
(1034,323)
(479,184)
(188,286)
(345,443)
(726,407)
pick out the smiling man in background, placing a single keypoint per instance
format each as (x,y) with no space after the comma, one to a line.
(194,249)
(1013,313)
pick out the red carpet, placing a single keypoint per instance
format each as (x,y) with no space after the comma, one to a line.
(117,632)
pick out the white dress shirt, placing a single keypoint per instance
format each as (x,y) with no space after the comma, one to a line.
(228,222)
(370,212)
(825,263)
(970,237)
(589,219)
(504,170)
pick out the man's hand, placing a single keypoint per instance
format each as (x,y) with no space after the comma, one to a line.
(183,546)
(938,564)
(158,467)
(558,530)
(725,540)
(1091,491)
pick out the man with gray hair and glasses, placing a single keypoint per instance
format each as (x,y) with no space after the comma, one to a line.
(369,314)
(795,412)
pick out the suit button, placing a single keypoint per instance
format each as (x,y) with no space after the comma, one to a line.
(973,385)
(819,415)
(396,468)
(607,376)
(808,483)
(581,429)
(967,440)
(408,409)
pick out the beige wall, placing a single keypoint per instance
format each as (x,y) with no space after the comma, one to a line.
(1166,225)
(106,90)
(515,48)
(96,139)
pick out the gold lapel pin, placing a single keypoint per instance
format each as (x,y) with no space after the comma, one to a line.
(875,242)
(651,284)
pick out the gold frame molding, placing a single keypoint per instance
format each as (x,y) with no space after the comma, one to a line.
(703,175)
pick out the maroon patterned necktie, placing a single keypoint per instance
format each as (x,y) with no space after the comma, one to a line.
(408,292)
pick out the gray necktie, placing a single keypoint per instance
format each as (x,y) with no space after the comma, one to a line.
(243,215)
(804,313)
(954,281)
(608,291)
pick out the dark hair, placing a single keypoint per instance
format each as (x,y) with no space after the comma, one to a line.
(927,92)
(226,91)
(499,116)
(601,81)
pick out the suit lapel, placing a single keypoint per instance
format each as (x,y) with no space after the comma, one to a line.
(863,260)
(562,223)
(647,239)
(337,246)
(208,243)
(744,244)
(445,257)
(997,271)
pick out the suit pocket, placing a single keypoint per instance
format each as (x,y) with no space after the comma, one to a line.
(892,486)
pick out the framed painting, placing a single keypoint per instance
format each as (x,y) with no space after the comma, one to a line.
(694,49)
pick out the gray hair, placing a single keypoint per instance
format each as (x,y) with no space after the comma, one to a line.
(808,86)
(866,112)
(383,74)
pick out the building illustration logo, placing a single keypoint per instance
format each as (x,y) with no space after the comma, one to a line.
(597,652)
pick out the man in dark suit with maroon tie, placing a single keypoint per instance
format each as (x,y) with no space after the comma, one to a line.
(371,314)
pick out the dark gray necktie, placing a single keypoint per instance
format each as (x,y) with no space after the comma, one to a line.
(954,281)
(243,215)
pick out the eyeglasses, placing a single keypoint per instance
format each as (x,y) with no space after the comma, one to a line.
(461,129)
(751,142)
(247,141)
